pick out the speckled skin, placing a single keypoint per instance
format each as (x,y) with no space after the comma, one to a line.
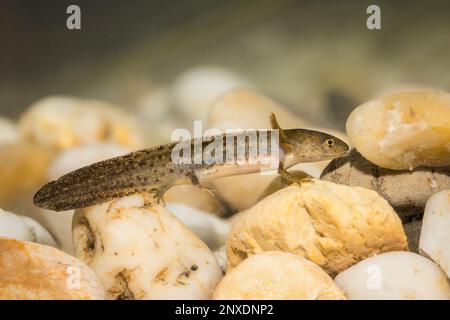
(154,171)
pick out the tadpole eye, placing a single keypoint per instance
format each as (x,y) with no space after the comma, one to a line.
(329,142)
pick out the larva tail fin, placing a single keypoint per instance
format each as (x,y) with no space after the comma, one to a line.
(284,143)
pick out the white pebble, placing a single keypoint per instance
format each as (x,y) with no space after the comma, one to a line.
(394,276)
(8,132)
(139,250)
(195,89)
(221,257)
(211,229)
(435,234)
(72,159)
(23,228)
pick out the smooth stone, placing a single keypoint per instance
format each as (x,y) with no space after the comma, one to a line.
(403,131)
(277,275)
(333,225)
(139,251)
(394,276)
(435,234)
(407,191)
(31,271)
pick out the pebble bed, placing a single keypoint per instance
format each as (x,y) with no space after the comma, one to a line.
(372,224)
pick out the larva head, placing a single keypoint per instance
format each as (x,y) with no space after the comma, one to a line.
(302,145)
(309,145)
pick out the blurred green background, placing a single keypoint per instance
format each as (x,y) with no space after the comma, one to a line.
(315,56)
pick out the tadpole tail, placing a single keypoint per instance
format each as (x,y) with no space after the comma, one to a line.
(94,184)
(53,197)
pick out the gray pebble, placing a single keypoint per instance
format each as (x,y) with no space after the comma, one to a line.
(407,191)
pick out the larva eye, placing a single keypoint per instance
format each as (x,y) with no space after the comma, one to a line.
(329,142)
